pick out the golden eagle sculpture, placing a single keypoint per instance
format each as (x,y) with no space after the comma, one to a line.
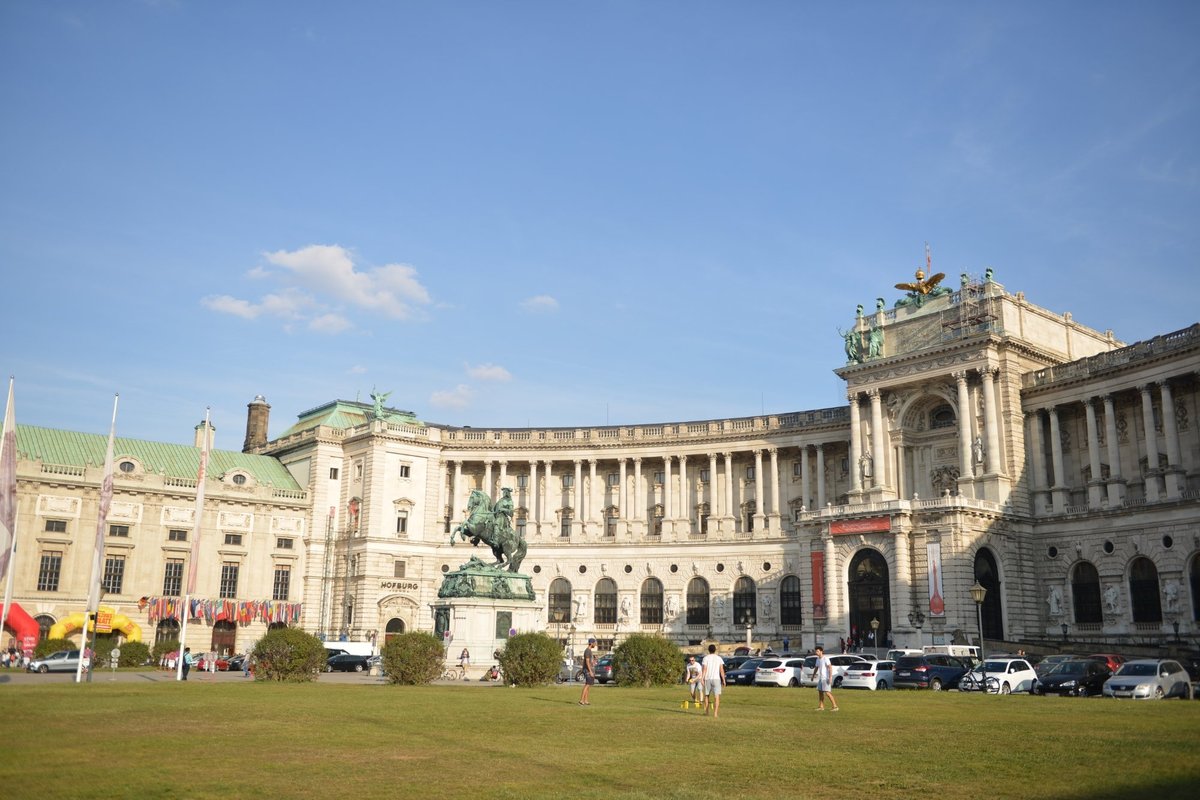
(921,285)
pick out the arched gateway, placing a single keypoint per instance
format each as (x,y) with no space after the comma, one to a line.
(870,597)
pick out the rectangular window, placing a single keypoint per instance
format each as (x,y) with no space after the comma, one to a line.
(114,574)
(568,481)
(614,479)
(173,578)
(398,570)
(282,583)
(56,526)
(704,475)
(660,478)
(565,529)
(49,571)
(522,481)
(704,523)
(750,474)
(229,580)
(284,543)
(521,528)
(405,471)
(333,473)
(358,470)
(119,530)
(233,538)
(610,527)
(797,469)
(402,523)
(177,535)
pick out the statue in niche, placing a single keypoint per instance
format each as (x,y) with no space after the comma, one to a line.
(1171,596)
(977,450)
(768,611)
(626,608)
(580,606)
(866,465)
(1054,599)
(1112,599)
(719,607)
(672,607)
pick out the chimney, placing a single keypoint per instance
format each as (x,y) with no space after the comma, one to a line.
(258,412)
(199,438)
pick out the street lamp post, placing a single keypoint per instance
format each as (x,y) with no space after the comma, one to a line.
(978,593)
(1065,628)
(557,616)
(875,632)
(916,619)
(1175,625)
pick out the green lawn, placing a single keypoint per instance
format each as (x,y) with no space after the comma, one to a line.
(235,740)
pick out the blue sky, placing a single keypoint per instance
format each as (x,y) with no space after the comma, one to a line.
(562,213)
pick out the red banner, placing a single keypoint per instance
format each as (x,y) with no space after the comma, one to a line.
(868,525)
(818,582)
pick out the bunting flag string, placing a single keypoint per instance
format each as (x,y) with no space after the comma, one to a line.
(243,612)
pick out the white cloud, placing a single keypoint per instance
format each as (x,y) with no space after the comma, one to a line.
(224,304)
(541,302)
(330,270)
(329,323)
(489,372)
(458,397)
(357,369)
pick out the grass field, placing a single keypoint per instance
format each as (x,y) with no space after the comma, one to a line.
(238,740)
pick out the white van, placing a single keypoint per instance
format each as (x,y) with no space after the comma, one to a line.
(968,651)
(892,655)
(353,648)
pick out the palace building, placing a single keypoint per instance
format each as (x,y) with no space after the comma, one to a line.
(984,442)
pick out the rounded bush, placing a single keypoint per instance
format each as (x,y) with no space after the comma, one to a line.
(643,660)
(413,658)
(289,654)
(134,654)
(530,659)
(47,646)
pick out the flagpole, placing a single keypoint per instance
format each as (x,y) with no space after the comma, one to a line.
(193,566)
(8,502)
(93,596)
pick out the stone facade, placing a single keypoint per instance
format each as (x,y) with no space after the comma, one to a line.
(984,439)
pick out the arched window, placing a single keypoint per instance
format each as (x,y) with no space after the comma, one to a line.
(1143,590)
(1194,579)
(395,627)
(652,602)
(941,417)
(606,602)
(697,602)
(791,603)
(558,606)
(224,637)
(46,622)
(745,605)
(1085,591)
(167,630)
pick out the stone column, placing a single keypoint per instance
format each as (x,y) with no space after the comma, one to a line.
(714,507)
(577,502)
(776,509)
(966,469)
(856,448)
(806,497)
(832,589)
(1152,474)
(593,510)
(503,473)
(1058,486)
(488,488)
(531,496)
(991,420)
(878,441)
(668,504)
(639,496)
(456,495)
(444,489)
(1175,475)
(1037,456)
(549,505)
(623,491)
(760,494)
(1116,485)
(902,582)
(1096,484)
(729,509)
(821,476)
(685,494)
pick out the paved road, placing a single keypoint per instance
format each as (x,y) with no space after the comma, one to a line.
(13,677)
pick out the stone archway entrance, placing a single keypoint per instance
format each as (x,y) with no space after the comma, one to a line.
(395,627)
(870,597)
(224,638)
(988,576)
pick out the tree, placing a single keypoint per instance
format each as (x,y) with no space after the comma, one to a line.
(643,660)
(530,659)
(289,654)
(413,658)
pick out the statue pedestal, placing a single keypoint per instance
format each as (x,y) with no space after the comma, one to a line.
(478,608)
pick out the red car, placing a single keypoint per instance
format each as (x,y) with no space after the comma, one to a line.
(1113,660)
(221,661)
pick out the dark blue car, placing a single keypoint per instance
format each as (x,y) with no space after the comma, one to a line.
(929,671)
(742,674)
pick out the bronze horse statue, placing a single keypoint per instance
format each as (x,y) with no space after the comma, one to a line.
(483,525)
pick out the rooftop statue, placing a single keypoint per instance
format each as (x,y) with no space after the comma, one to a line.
(492,527)
(380,398)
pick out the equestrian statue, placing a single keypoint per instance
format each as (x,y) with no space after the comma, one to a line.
(493,526)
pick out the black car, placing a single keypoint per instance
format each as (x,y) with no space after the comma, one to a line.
(1081,677)
(929,671)
(345,662)
(742,674)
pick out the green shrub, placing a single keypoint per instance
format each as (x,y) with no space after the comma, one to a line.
(530,659)
(102,645)
(160,649)
(413,658)
(47,646)
(289,654)
(643,660)
(133,654)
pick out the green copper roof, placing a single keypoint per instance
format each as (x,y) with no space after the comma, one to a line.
(343,414)
(70,448)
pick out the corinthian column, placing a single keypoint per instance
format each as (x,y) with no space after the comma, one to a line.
(856,449)
(878,444)
(966,469)
(1152,473)
(991,420)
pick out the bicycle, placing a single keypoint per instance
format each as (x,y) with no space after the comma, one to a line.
(456,673)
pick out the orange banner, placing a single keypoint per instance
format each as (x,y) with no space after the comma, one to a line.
(868,525)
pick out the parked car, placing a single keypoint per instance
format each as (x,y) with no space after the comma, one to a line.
(1113,660)
(1080,677)
(934,671)
(743,674)
(731,662)
(347,662)
(1149,678)
(221,662)
(870,675)
(781,671)
(1002,676)
(62,661)
(841,663)
(604,669)
(235,663)
(1050,662)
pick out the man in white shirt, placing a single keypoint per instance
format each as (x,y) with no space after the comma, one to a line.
(695,686)
(713,671)
(824,675)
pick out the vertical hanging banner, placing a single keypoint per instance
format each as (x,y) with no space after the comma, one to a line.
(937,602)
(194,565)
(8,486)
(817,558)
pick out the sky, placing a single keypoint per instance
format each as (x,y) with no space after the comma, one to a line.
(545,213)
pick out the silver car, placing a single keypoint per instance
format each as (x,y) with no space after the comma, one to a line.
(62,661)
(1149,678)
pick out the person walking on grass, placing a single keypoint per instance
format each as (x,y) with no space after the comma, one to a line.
(823,672)
(695,684)
(713,672)
(589,672)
